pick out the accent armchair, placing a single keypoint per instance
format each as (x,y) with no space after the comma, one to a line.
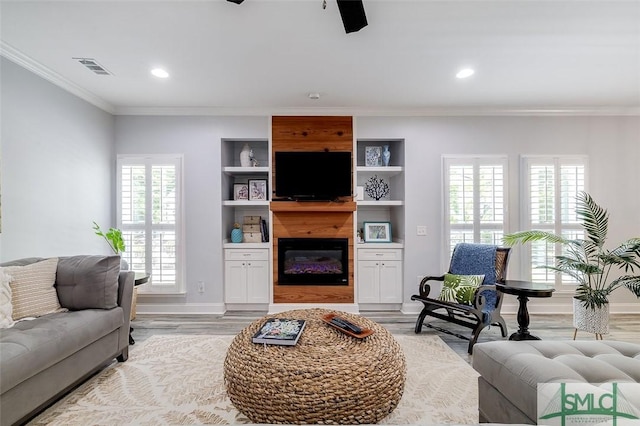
(483,308)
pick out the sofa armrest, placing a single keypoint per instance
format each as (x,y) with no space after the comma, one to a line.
(125,300)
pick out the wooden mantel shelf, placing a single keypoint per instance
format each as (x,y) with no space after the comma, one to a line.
(313,206)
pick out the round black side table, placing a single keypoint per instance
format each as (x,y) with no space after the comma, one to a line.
(524,290)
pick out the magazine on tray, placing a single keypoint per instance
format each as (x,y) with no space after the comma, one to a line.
(279,331)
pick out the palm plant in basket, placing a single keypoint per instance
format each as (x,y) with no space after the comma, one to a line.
(587,260)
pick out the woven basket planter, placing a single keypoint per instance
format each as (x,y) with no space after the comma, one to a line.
(326,378)
(591,320)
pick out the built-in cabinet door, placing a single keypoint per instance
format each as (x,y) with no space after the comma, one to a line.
(246,276)
(258,281)
(379,275)
(368,281)
(235,281)
(390,279)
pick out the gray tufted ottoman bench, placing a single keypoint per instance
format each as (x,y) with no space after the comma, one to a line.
(510,371)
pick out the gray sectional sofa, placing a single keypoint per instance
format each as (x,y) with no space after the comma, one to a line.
(510,372)
(43,358)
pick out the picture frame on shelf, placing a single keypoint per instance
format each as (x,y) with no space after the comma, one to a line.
(257,190)
(377,232)
(240,191)
(373,156)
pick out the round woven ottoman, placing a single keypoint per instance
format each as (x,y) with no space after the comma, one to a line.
(327,377)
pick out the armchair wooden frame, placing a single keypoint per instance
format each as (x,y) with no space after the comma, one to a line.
(476,316)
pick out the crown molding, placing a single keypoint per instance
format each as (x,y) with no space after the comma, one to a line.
(382,112)
(19,58)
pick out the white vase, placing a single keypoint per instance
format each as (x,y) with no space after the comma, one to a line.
(245,156)
(386,155)
(594,320)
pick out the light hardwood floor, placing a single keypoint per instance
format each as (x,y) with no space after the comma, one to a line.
(547,327)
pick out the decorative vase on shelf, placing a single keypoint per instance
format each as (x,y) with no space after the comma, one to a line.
(386,155)
(236,234)
(245,156)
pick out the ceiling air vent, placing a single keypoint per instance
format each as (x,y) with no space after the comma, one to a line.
(92,65)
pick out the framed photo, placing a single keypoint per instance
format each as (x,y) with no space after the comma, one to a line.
(257,189)
(240,191)
(372,156)
(377,232)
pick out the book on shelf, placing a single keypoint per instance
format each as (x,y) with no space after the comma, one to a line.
(279,331)
(265,231)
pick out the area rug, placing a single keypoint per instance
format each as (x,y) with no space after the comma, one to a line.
(171,380)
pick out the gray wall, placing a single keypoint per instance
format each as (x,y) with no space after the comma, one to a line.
(58,169)
(611,143)
(198,139)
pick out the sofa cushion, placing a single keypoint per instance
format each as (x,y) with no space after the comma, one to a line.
(6,307)
(515,368)
(29,347)
(88,282)
(32,291)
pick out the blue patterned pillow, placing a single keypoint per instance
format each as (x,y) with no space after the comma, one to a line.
(460,288)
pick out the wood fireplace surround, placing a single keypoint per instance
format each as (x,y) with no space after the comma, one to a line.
(312,219)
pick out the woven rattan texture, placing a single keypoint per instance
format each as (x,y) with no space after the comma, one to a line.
(327,378)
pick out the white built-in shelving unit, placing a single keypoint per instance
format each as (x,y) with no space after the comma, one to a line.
(247,266)
(379,266)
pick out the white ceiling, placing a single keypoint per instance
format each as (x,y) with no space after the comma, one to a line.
(267,55)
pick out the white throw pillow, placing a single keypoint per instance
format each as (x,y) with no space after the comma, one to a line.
(33,293)
(6,309)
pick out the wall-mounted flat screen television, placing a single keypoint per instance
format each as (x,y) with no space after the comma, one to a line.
(313,175)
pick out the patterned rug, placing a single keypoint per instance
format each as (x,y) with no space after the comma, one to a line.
(170,380)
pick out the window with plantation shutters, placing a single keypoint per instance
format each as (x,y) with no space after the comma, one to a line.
(475,199)
(552,184)
(149,215)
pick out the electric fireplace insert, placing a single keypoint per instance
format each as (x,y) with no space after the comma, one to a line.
(316,261)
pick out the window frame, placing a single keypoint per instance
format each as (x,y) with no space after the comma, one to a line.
(557,161)
(475,161)
(179,286)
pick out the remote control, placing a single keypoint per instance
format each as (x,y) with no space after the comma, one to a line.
(344,324)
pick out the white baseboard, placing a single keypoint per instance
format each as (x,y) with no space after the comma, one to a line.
(407,308)
(181,308)
(380,307)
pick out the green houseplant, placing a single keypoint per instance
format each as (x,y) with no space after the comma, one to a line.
(113,237)
(587,260)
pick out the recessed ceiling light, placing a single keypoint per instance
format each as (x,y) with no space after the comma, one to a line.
(465,73)
(160,73)
(314,96)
